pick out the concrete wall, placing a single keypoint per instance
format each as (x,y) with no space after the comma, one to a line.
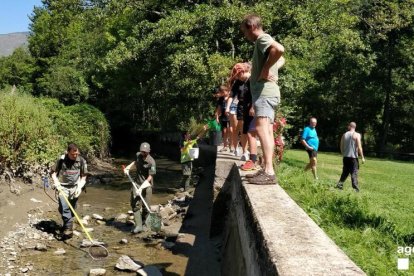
(262,231)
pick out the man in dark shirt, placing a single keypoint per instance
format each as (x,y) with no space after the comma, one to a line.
(146,169)
(69,177)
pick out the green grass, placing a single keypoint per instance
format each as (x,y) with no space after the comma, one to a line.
(369,226)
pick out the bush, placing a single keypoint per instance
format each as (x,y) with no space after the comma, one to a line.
(36,130)
(26,130)
(82,124)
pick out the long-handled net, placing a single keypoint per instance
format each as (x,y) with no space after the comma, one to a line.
(153,220)
(96,250)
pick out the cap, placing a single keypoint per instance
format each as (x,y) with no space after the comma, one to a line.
(145,147)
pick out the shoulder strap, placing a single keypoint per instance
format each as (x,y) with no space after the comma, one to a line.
(60,164)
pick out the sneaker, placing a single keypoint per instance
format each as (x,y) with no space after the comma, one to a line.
(254,174)
(248,166)
(263,179)
(223,149)
(245,156)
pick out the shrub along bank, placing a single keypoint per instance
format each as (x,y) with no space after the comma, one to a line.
(35,131)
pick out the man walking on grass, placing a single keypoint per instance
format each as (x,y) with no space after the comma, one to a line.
(265,91)
(350,147)
(310,141)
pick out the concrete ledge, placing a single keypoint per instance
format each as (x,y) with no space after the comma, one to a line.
(273,235)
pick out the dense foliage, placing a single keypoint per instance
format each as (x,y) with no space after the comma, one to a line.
(153,64)
(35,131)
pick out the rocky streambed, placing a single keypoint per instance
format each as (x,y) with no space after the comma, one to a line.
(31,245)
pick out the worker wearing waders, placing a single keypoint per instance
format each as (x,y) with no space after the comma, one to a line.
(146,169)
(69,177)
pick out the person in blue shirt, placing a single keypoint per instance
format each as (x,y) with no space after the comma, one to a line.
(310,140)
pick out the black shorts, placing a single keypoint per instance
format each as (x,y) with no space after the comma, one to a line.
(312,153)
(224,124)
(239,112)
(247,120)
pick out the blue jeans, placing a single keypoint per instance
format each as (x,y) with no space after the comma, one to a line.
(64,210)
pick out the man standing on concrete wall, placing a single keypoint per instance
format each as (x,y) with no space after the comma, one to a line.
(350,147)
(265,91)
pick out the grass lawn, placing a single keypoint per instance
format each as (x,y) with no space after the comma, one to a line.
(370,225)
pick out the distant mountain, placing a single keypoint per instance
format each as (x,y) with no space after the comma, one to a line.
(9,42)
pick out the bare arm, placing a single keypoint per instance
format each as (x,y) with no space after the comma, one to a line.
(306,145)
(55,178)
(228,103)
(359,145)
(281,62)
(275,52)
(217,113)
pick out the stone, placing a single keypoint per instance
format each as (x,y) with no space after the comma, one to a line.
(77,233)
(35,200)
(100,222)
(149,270)
(87,217)
(121,217)
(108,209)
(123,241)
(126,263)
(24,269)
(97,271)
(41,247)
(98,217)
(155,208)
(59,251)
(87,243)
(167,245)
(86,205)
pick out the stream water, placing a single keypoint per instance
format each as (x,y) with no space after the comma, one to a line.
(109,200)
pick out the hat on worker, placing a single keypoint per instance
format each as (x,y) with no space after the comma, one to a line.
(145,147)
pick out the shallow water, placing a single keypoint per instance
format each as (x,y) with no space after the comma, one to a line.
(115,194)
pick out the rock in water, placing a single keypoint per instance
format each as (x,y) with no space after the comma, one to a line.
(97,271)
(126,263)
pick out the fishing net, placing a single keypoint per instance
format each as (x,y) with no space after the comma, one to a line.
(154,222)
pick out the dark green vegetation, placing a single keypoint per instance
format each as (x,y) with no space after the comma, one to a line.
(153,64)
(369,226)
(35,131)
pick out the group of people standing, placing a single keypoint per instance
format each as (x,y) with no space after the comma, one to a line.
(246,106)
(248,100)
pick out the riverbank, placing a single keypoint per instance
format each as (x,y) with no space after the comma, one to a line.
(29,243)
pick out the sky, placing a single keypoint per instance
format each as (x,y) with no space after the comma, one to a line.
(14,15)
